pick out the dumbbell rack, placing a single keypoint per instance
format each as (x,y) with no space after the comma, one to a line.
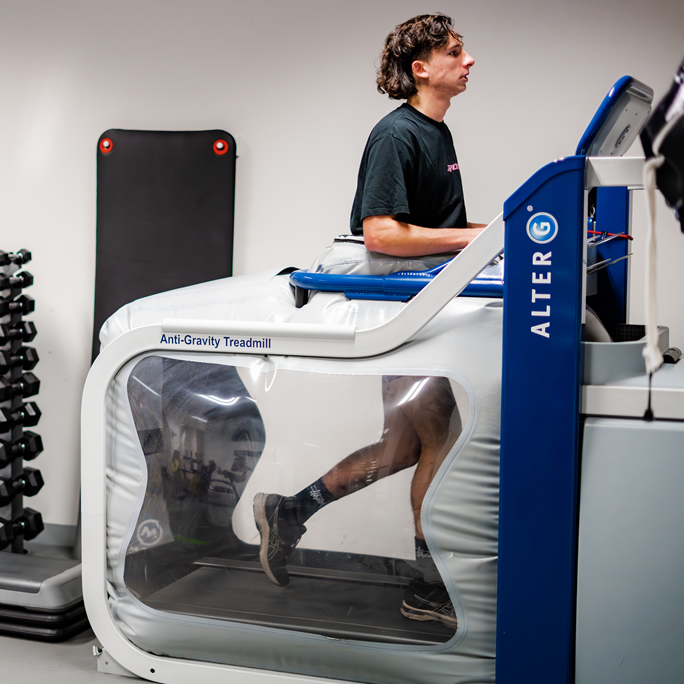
(17,383)
(40,584)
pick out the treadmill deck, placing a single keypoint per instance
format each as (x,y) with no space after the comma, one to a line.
(356,606)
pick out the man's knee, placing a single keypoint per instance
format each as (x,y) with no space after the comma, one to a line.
(432,399)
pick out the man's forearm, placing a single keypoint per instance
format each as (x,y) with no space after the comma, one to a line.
(386,235)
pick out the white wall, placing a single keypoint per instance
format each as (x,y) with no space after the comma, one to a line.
(295,80)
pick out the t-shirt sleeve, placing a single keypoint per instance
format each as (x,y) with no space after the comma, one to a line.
(389,169)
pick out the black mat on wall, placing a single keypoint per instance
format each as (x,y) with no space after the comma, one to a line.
(165,205)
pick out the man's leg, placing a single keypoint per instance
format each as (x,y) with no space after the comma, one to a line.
(434,416)
(398,448)
(281,520)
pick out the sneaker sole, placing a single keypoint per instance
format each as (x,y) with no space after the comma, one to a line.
(265,531)
(426,615)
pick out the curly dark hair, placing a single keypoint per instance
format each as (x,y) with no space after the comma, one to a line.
(412,40)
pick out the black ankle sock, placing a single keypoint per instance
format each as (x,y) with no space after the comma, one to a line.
(424,563)
(422,550)
(310,500)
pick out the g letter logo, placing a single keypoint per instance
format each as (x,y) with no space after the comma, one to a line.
(542,228)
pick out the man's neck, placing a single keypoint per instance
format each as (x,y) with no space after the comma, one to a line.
(435,108)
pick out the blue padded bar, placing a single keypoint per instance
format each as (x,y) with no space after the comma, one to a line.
(396,286)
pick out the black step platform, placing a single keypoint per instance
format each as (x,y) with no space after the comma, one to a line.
(41,596)
(358,606)
(43,625)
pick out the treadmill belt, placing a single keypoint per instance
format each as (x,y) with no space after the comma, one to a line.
(350,608)
(300,571)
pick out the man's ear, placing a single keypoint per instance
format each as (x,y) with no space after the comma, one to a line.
(419,69)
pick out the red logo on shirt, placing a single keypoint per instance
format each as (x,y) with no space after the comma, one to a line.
(452,167)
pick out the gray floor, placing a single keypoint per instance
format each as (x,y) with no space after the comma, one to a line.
(35,662)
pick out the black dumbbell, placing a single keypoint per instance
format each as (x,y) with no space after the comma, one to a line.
(28,446)
(16,282)
(24,305)
(23,256)
(26,357)
(29,483)
(27,385)
(29,525)
(26,331)
(27,414)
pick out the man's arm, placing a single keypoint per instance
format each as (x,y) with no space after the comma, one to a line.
(386,235)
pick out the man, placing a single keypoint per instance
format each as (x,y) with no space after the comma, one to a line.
(409,185)
(409,181)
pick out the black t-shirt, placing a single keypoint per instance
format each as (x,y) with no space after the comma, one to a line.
(409,170)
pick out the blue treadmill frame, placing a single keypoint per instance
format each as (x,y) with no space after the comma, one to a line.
(541,415)
(544,301)
(538,506)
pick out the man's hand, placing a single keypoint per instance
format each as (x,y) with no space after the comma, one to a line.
(386,235)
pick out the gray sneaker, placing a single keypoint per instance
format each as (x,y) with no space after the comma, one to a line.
(424,601)
(278,537)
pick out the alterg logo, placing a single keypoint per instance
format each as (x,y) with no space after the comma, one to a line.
(542,228)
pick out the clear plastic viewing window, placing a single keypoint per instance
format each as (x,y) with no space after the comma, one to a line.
(291,498)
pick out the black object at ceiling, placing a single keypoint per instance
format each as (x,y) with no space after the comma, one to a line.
(165,206)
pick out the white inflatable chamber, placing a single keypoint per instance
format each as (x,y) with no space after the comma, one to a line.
(198,422)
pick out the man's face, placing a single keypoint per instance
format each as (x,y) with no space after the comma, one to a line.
(448,68)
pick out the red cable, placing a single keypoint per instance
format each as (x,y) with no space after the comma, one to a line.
(622,235)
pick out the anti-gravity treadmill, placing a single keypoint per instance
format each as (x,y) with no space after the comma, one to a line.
(204,396)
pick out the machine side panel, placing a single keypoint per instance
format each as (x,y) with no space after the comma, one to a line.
(540,430)
(630,623)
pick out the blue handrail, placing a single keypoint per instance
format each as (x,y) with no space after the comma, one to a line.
(398,286)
